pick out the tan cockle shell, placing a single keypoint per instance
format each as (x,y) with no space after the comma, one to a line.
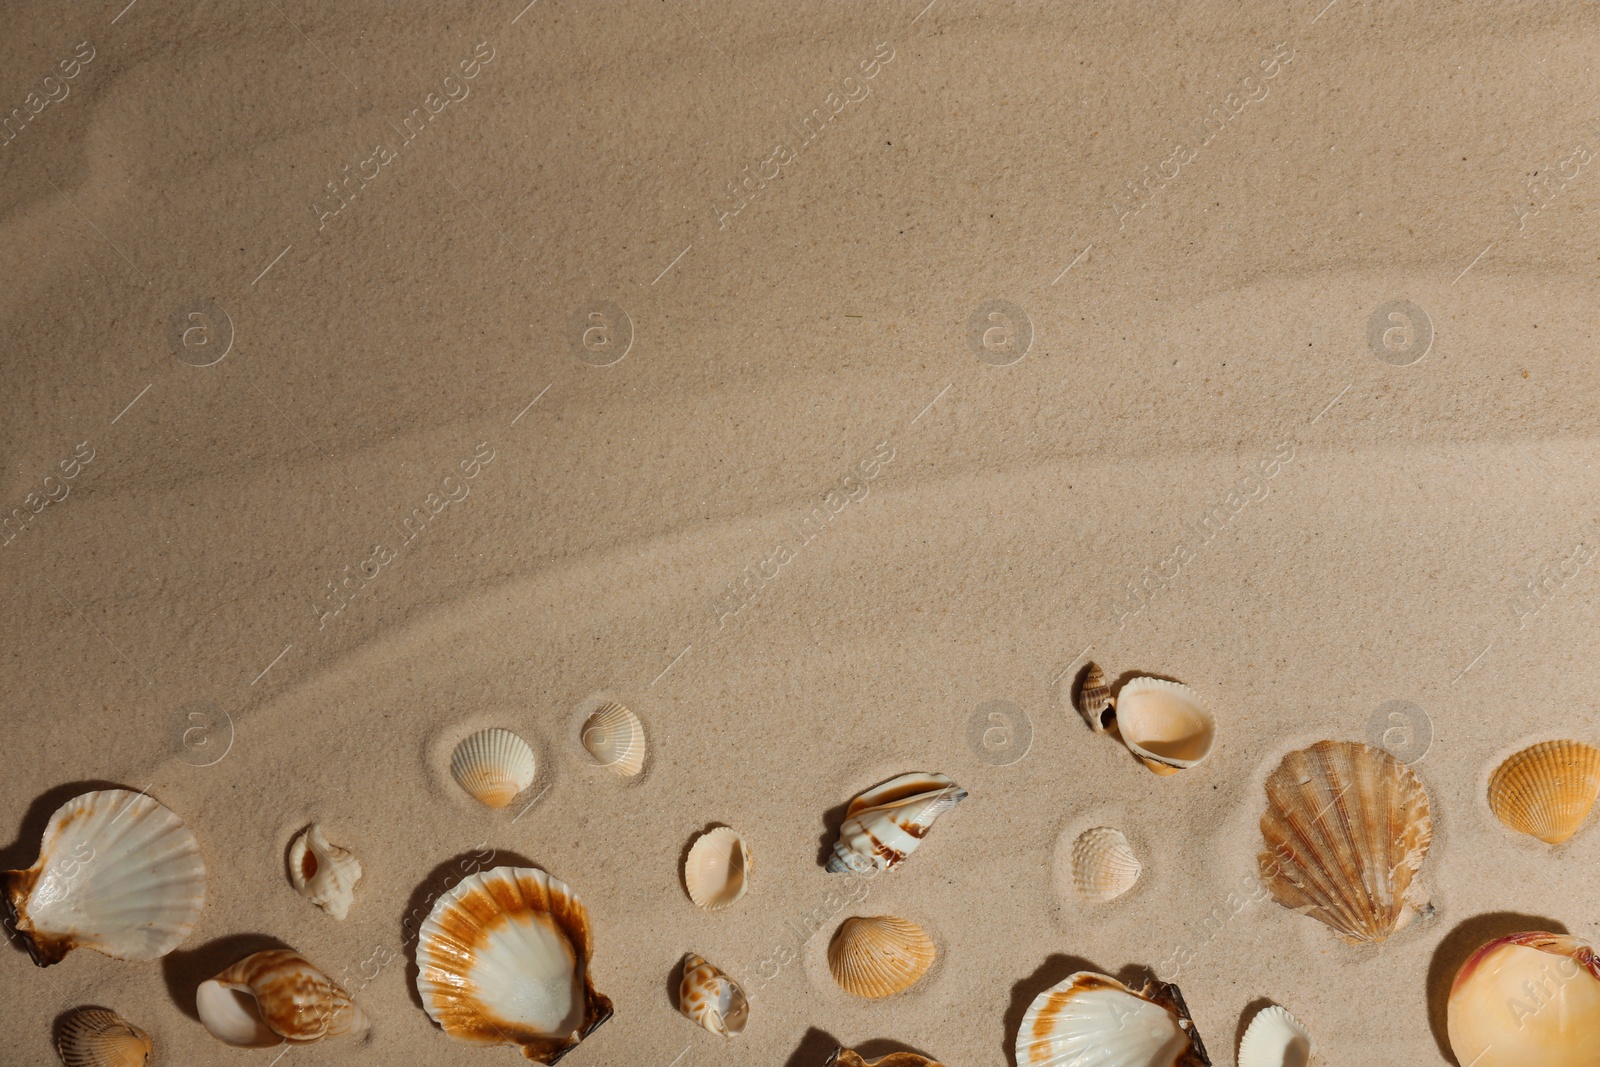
(324,874)
(614,736)
(1346,829)
(843,1057)
(1528,1000)
(96,1037)
(716,872)
(276,996)
(711,999)
(1094,699)
(1166,724)
(1103,864)
(1089,1018)
(1275,1038)
(1547,790)
(117,872)
(879,956)
(885,824)
(493,766)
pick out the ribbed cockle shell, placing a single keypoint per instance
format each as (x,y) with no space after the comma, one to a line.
(96,1037)
(614,736)
(493,766)
(878,956)
(1103,864)
(1275,1038)
(1547,790)
(717,870)
(276,996)
(885,824)
(1165,724)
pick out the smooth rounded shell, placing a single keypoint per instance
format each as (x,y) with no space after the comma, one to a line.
(1166,724)
(716,871)
(1090,1020)
(1547,790)
(711,999)
(1275,1039)
(117,872)
(1528,1000)
(879,956)
(95,1037)
(614,736)
(1103,864)
(493,766)
(323,873)
(274,996)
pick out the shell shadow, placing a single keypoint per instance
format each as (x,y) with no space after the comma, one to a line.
(832,822)
(878,1048)
(1054,969)
(1248,1016)
(184,971)
(438,882)
(1467,937)
(675,981)
(814,1048)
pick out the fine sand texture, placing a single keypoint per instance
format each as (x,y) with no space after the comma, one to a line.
(827,383)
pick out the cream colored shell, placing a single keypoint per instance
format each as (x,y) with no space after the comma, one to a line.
(879,956)
(1275,1038)
(95,1037)
(493,766)
(275,996)
(614,736)
(1103,864)
(1166,724)
(1528,1000)
(324,874)
(711,999)
(717,870)
(1547,790)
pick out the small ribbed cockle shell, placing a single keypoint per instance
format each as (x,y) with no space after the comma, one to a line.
(717,870)
(493,766)
(96,1037)
(324,874)
(1346,829)
(1094,699)
(1547,790)
(1103,864)
(711,999)
(885,824)
(878,956)
(1090,1020)
(1275,1038)
(275,996)
(614,736)
(844,1057)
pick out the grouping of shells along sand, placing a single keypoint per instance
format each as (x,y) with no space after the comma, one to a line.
(506,956)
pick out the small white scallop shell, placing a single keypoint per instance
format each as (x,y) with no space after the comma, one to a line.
(95,1037)
(1166,724)
(614,736)
(711,999)
(1275,1039)
(117,872)
(275,996)
(324,874)
(885,824)
(716,872)
(1103,864)
(493,766)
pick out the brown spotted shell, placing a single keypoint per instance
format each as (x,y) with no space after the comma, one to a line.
(275,996)
(711,999)
(1547,790)
(878,956)
(96,1037)
(1094,699)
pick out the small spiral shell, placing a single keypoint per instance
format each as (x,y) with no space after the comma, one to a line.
(711,999)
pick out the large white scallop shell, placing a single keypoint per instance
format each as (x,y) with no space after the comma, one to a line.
(1103,864)
(274,996)
(324,874)
(503,959)
(711,999)
(1166,724)
(96,1037)
(1090,1020)
(717,870)
(614,736)
(117,872)
(1275,1038)
(493,766)
(885,824)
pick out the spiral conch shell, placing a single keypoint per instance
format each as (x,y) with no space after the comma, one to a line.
(1090,1020)
(95,1037)
(1527,999)
(885,824)
(844,1057)
(1275,1038)
(493,766)
(711,999)
(879,956)
(276,996)
(717,870)
(117,872)
(324,874)
(1103,864)
(1094,699)
(1346,829)
(614,736)
(1547,790)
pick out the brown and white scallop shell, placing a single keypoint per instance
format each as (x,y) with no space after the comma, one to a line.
(711,999)
(717,870)
(1094,699)
(1346,829)
(96,1037)
(1547,790)
(275,996)
(879,956)
(1088,1018)
(1103,864)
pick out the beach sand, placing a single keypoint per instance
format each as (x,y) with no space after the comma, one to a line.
(365,473)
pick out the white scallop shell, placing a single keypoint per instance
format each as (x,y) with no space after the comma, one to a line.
(493,766)
(1166,724)
(716,872)
(1103,864)
(1090,1020)
(711,999)
(1275,1039)
(117,872)
(503,958)
(324,874)
(885,824)
(274,996)
(614,736)
(96,1037)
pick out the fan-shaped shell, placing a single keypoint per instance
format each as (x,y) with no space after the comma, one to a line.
(324,874)
(117,872)
(1346,829)
(844,1057)
(503,958)
(711,999)
(1547,790)
(275,996)
(96,1037)
(1089,1020)
(879,956)
(716,872)
(1166,724)
(885,824)
(1103,864)
(493,766)
(614,736)
(1275,1038)
(1094,699)
(1527,1000)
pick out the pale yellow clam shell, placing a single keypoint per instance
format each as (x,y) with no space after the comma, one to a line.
(1527,1000)
(1166,724)
(1547,790)
(879,956)
(711,999)
(493,766)
(1103,864)
(325,874)
(717,870)
(96,1037)
(275,996)
(614,736)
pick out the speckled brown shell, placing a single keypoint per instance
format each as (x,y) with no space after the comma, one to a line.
(879,956)
(1094,699)
(1547,790)
(297,1001)
(96,1037)
(710,999)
